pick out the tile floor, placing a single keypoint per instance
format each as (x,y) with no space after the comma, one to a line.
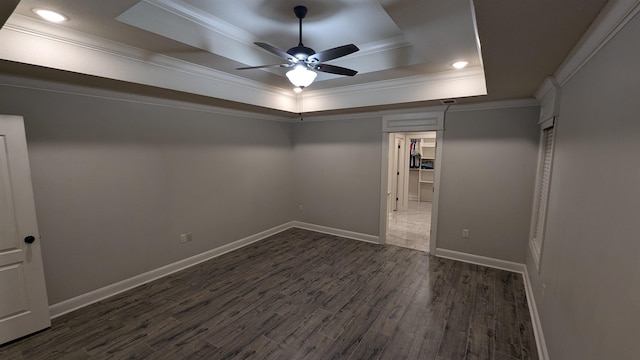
(410,228)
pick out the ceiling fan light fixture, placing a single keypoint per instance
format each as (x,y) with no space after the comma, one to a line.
(305,61)
(50,16)
(460,64)
(301,77)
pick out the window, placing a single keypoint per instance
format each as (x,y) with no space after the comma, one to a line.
(541,195)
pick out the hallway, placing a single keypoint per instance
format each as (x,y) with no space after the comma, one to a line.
(411,228)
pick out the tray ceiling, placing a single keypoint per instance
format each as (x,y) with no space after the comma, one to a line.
(194,46)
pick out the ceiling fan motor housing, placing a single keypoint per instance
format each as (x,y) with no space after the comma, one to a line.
(301,52)
(301,57)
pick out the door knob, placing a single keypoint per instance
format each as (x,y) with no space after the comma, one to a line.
(29,239)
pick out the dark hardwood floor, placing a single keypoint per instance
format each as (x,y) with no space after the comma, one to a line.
(303,295)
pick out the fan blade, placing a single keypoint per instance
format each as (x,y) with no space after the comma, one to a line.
(262,66)
(274,50)
(332,69)
(334,53)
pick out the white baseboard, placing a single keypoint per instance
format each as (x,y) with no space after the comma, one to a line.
(480,260)
(91,297)
(509,266)
(337,232)
(543,354)
(83,300)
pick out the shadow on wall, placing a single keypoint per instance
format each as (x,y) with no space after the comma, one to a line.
(70,118)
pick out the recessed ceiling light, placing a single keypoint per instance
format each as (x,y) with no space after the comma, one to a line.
(51,16)
(460,64)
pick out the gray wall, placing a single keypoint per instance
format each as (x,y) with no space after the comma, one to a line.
(116,182)
(487,181)
(590,307)
(337,173)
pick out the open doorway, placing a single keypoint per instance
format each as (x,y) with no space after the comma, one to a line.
(412,166)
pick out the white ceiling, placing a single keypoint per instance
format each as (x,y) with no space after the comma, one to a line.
(406,46)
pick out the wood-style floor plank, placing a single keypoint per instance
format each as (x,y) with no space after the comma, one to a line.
(303,295)
(481,344)
(508,340)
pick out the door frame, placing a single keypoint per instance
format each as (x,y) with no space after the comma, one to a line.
(408,123)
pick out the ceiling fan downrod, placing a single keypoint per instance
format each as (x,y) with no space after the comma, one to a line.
(300,52)
(301,12)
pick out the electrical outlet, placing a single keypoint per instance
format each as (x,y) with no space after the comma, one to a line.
(301,208)
(465,233)
(186,237)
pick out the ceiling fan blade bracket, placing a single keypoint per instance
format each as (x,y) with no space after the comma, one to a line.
(274,50)
(262,66)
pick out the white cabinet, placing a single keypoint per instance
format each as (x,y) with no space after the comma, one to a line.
(426,185)
(414,184)
(427,167)
(422,163)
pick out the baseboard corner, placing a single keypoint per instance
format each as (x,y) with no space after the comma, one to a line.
(337,232)
(91,297)
(535,317)
(480,260)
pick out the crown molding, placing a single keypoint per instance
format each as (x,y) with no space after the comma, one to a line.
(34,42)
(613,17)
(362,115)
(186,20)
(489,105)
(548,84)
(380,46)
(41,30)
(77,90)
(549,97)
(224,39)
(209,21)
(191,13)
(492,105)
(468,73)
(455,83)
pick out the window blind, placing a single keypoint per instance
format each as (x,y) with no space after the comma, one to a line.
(543,188)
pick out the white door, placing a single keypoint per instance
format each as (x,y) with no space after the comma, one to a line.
(23,298)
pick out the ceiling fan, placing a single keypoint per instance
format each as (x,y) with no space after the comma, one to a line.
(303,59)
